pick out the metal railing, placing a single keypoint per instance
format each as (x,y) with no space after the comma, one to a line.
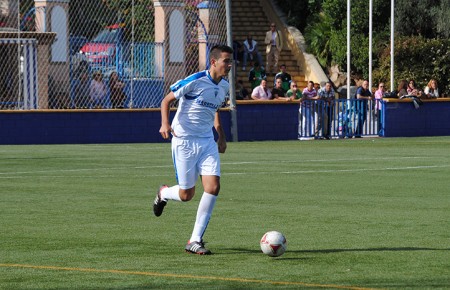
(340,119)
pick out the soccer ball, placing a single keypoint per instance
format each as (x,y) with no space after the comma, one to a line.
(273,244)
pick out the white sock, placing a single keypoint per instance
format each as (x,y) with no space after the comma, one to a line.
(204,212)
(171,193)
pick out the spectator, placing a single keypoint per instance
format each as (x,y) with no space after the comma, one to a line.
(274,45)
(251,50)
(306,104)
(82,91)
(278,92)
(257,73)
(116,91)
(237,50)
(285,78)
(261,92)
(294,93)
(317,87)
(402,89)
(379,94)
(242,92)
(431,90)
(412,91)
(327,96)
(363,95)
(97,91)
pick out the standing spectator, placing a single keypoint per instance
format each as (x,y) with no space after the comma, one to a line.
(97,91)
(285,77)
(274,45)
(412,90)
(251,50)
(257,73)
(363,95)
(379,94)
(294,93)
(82,91)
(431,90)
(262,92)
(278,92)
(327,96)
(306,105)
(116,91)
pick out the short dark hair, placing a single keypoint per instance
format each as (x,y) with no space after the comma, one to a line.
(216,50)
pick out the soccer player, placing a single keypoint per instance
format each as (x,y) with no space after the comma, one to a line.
(194,150)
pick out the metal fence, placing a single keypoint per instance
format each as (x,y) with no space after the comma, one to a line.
(102,53)
(340,119)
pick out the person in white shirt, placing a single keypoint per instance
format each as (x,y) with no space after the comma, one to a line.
(194,151)
(274,45)
(97,91)
(431,90)
(262,92)
(251,50)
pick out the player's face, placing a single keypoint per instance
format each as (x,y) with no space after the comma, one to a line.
(222,66)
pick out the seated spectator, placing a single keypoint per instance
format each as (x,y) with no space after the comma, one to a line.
(117,95)
(412,91)
(402,89)
(242,92)
(431,90)
(238,50)
(97,91)
(257,73)
(294,93)
(251,51)
(285,78)
(278,91)
(261,92)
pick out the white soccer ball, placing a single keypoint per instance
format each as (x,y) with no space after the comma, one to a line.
(273,243)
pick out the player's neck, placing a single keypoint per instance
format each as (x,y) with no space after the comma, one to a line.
(215,76)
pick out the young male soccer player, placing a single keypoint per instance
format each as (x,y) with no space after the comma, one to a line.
(194,150)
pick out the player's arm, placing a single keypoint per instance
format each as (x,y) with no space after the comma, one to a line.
(221,142)
(165,129)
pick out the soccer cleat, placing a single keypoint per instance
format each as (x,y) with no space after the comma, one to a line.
(197,248)
(159,203)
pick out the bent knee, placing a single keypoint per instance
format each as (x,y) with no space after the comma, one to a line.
(187,195)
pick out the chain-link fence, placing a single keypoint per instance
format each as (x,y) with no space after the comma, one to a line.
(102,53)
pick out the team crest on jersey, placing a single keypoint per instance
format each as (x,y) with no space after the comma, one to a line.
(216,92)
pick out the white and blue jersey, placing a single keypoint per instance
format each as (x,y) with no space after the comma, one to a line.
(199,99)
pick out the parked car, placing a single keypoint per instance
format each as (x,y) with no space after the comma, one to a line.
(102,48)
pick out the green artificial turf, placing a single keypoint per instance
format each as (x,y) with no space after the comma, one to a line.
(368,213)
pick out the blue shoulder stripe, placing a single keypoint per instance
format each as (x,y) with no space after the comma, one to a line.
(181,83)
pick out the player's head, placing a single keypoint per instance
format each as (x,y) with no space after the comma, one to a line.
(221,59)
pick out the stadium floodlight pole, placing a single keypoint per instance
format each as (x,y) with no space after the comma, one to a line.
(392,45)
(231,75)
(370,43)
(348,49)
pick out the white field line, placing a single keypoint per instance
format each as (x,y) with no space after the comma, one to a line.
(223,163)
(10,175)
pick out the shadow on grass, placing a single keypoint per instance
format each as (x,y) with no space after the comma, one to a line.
(384,249)
(329,251)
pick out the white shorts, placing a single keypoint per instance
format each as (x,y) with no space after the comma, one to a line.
(193,157)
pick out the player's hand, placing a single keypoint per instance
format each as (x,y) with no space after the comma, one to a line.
(166,130)
(222,145)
